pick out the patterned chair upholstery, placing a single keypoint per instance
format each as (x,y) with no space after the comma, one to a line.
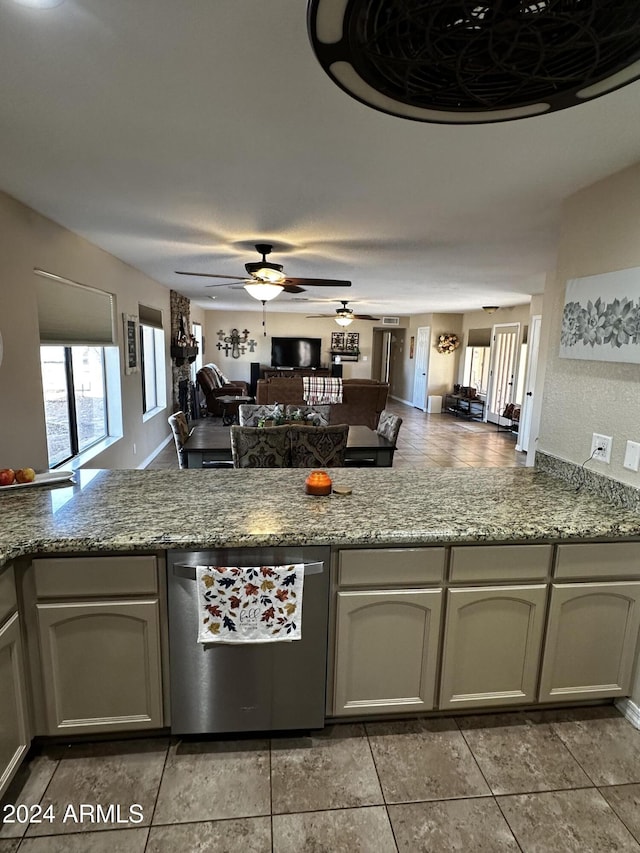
(389,426)
(250,414)
(318,447)
(180,430)
(313,415)
(260,447)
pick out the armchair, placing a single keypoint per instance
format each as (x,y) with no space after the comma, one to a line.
(213,384)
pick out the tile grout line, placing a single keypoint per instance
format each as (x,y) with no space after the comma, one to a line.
(384,799)
(155,803)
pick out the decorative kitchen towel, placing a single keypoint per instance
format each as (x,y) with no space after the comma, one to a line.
(321,389)
(255,604)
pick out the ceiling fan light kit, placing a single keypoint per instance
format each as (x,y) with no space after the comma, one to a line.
(475,61)
(344,320)
(263,291)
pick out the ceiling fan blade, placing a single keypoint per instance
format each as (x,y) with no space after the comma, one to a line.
(364,317)
(212,275)
(318,282)
(228,284)
(293,288)
(316,316)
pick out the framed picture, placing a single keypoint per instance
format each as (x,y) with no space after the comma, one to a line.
(601,317)
(131,361)
(337,341)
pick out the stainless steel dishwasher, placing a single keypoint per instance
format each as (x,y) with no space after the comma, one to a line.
(253,687)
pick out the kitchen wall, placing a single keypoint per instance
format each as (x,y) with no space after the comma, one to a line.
(600,233)
(29,240)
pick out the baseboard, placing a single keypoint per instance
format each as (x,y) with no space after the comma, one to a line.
(401,400)
(630,711)
(153,455)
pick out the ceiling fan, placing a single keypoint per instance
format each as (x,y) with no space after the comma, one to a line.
(267,280)
(344,315)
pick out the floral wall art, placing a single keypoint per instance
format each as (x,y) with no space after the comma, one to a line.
(601,317)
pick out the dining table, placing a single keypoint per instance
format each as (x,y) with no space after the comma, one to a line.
(209,443)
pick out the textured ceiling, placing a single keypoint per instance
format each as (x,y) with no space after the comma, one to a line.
(177,135)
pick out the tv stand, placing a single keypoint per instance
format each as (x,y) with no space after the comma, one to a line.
(269,372)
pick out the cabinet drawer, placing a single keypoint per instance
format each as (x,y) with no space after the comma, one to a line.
(66,577)
(7,593)
(481,563)
(391,566)
(598,560)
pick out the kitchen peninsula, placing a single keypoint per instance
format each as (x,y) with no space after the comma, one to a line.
(495,587)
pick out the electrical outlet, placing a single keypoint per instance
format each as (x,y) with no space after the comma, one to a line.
(632,456)
(601,448)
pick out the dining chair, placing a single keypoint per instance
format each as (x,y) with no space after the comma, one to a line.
(321,446)
(250,414)
(180,430)
(310,415)
(260,447)
(389,426)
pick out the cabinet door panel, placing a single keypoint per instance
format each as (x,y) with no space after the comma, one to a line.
(493,639)
(101,665)
(386,650)
(591,640)
(14,729)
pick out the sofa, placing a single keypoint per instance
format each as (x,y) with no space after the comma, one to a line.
(362,399)
(213,384)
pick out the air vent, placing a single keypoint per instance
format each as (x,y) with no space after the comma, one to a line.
(391,321)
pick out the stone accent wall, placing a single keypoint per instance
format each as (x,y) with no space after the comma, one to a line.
(180,308)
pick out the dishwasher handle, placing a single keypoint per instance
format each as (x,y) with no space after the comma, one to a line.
(184,570)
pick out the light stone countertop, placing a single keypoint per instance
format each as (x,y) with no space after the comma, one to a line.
(133,510)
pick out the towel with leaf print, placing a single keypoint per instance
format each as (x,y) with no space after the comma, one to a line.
(254,604)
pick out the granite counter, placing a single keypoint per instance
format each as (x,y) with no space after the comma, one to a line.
(152,510)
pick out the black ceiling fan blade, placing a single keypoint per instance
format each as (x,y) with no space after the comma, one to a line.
(364,317)
(293,288)
(318,282)
(212,275)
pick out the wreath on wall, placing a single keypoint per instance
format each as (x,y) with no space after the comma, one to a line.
(447,343)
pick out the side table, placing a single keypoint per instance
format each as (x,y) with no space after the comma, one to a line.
(229,406)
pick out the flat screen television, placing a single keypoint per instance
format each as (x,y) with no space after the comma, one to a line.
(295,352)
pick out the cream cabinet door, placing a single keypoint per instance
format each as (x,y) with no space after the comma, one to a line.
(492,644)
(591,640)
(14,727)
(386,650)
(101,665)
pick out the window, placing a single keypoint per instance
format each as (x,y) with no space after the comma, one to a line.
(153,365)
(75,399)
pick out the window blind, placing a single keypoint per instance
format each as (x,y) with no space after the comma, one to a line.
(72,314)
(479,338)
(150,316)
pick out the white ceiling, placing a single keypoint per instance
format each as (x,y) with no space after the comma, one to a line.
(175,135)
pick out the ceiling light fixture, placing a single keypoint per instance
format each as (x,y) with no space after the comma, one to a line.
(40,4)
(490,309)
(344,320)
(472,61)
(264,270)
(263,291)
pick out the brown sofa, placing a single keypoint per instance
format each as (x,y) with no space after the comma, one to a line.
(214,384)
(362,399)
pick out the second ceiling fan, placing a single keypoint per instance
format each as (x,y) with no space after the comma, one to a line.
(267,280)
(344,316)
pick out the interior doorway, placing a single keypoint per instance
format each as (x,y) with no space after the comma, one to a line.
(421,369)
(524,436)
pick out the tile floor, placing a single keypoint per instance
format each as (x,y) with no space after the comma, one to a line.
(537,782)
(430,441)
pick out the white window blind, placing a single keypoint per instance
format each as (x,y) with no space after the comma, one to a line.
(150,316)
(72,314)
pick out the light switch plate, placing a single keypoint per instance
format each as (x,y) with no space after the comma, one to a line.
(632,456)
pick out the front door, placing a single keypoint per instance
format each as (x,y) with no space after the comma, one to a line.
(421,369)
(503,371)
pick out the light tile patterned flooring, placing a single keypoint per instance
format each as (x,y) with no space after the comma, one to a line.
(430,441)
(537,782)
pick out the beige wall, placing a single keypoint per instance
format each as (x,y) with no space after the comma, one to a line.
(600,233)
(29,240)
(280,324)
